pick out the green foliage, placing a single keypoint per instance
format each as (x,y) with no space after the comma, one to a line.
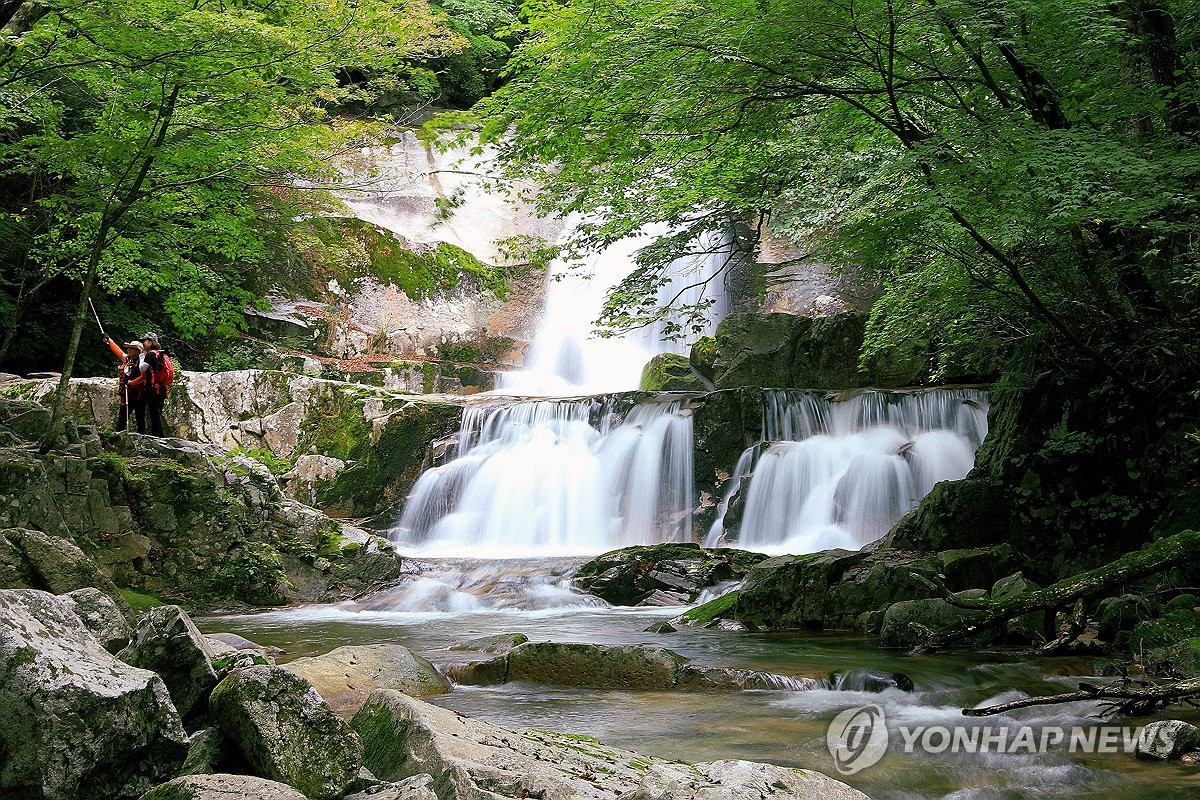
(276,464)
(254,570)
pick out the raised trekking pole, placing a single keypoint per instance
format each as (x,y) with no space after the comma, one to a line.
(99,324)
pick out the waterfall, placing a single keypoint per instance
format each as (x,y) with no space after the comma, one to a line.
(840,472)
(556,477)
(568,357)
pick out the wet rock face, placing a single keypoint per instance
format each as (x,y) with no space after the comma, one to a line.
(345,676)
(663,574)
(1167,739)
(784,351)
(74,721)
(286,731)
(738,780)
(168,643)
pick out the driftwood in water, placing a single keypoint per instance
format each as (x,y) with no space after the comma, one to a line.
(1156,557)
(1126,697)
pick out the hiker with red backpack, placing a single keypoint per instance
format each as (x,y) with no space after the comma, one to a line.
(130,382)
(158,371)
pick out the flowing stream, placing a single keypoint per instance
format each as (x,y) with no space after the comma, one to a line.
(783,727)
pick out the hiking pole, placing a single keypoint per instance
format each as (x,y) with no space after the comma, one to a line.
(99,324)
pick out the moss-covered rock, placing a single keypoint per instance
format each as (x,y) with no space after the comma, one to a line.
(222,787)
(670,372)
(628,577)
(834,588)
(166,642)
(786,351)
(702,356)
(905,623)
(286,731)
(955,514)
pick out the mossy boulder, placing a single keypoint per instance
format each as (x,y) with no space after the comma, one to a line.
(670,372)
(905,623)
(286,731)
(702,356)
(670,573)
(835,588)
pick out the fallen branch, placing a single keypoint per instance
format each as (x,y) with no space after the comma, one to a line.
(1128,699)
(1156,557)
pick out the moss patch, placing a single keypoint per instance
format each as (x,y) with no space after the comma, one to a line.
(711,610)
(139,602)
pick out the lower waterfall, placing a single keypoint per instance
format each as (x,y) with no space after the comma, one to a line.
(556,477)
(840,472)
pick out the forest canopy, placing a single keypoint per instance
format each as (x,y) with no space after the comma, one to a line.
(1001,168)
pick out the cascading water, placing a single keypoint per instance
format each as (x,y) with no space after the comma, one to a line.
(556,477)
(840,472)
(568,358)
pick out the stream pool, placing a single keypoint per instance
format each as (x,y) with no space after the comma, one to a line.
(781,727)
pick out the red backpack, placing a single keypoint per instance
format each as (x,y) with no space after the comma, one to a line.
(162,373)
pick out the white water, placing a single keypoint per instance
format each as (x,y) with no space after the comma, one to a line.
(555,477)
(569,356)
(841,472)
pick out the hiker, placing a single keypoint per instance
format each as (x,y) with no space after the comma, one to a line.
(129,382)
(158,371)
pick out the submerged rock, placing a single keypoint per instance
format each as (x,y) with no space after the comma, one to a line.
(739,780)
(594,666)
(345,676)
(222,787)
(632,575)
(286,731)
(168,643)
(76,722)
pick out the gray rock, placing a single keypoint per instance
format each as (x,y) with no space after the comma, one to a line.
(286,731)
(739,780)
(102,617)
(57,564)
(74,721)
(414,788)
(345,676)
(663,574)
(661,627)
(470,759)
(240,642)
(1167,739)
(206,752)
(222,787)
(167,642)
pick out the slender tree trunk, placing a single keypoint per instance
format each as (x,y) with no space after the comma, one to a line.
(14,323)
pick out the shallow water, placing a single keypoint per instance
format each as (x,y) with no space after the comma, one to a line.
(781,727)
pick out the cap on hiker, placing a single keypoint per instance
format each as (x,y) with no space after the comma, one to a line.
(138,345)
(150,337)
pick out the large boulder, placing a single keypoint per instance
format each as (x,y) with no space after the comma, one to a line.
(905,623)
(345,676)
(74,721)
(222,787)
(739,780)
(836,588)
(967,513)
(661,574)
(629,666)
(1166,739)
(32,559)
(286,731)
(167,642)
(470,760)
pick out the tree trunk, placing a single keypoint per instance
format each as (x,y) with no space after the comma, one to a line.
(14,323)
(1163,554)
(1144,699)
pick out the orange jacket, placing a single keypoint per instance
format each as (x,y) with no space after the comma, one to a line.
(135,383)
